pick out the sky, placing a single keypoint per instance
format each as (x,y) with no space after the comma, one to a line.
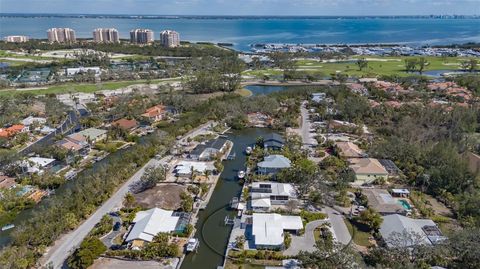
(244,7)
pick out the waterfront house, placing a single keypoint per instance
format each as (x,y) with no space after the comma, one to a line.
(33,120)
(37,165)
(147,224)
(12,130)
(92,135)
(265,194)
(273,164)
(400,231)
(349,150)
(209,150)
(185,168)
(155,113)
(75,145)
(367,170)
(381,201)
(273,141)
(268,229)
(126,124)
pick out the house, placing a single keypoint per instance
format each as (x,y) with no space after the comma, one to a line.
(273,164)
(147,224)
(80,70)
(155,113)
(367,170)
(421,231)
(349,150)
(391,167)
(75,145)
(318,97)
(209,150)
(259,119)
(381,201)
(265,194)
(273,141)
(126,124)
(93,135)
(7,182)
(37,165)
(12,130)
(185,168)
(400,193)
(268,229)
(33,120)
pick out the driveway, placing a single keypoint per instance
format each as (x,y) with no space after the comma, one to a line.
(306,242)
(339,227)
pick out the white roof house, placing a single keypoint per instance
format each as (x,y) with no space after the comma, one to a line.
(185,167)
(273,163)
(423,231)
(30,120)
(36,164)
(267,229)
(74,71)
(264,194)
(151,222)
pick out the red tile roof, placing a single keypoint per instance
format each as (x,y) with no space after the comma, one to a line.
(125,124)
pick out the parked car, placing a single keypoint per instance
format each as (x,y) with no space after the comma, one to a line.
(117,226)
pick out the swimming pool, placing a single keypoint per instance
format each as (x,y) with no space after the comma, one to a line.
(405,204)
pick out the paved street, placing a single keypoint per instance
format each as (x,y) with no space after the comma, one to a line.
(58,253)
(336,218)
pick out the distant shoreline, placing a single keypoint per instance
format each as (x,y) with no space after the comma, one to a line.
(232,17)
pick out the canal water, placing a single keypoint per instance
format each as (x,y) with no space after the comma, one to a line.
(211,229)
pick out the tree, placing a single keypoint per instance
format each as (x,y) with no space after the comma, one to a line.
(470,65)
(129,200)
(362,63)
(422,63)
(370,218)
(89,250)
(240,241)
(152,176)
(410,65)
(292,205)
(187,202)
(336,257)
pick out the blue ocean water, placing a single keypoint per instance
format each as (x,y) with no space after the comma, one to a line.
(245,31)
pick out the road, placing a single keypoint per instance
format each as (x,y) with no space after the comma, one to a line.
(61,250)
(336,218)
(305,131)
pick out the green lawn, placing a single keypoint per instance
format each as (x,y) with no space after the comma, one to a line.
(86,87)
(376,66)
(360,236)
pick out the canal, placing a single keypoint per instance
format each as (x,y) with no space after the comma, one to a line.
(211,229)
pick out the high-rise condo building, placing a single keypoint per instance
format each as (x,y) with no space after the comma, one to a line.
(106,35)
(61,35)
(16,38)
(170,39)
(141,36)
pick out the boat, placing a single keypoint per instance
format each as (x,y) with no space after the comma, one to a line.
(192,245)
(8,227)
(241,174)
(248,150)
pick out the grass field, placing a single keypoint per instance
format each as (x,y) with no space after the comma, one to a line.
(359,237)
(87,87)
(376,66)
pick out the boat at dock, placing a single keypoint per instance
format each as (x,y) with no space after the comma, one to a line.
(241,174)
(8,227)
(248,150)
(192,245)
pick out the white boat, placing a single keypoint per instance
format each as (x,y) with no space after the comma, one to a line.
(8,227)
(248,150)
(241,174)
(192,245)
